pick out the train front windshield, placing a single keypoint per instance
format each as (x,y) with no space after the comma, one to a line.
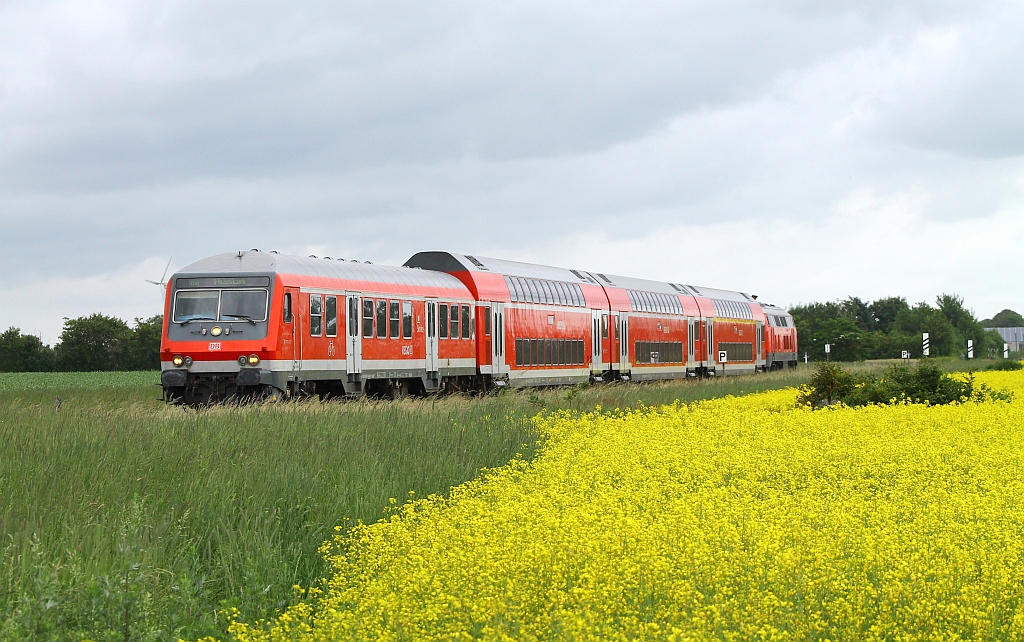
(220,305)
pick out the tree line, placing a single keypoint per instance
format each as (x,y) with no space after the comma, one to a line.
(88,343)
(883,329)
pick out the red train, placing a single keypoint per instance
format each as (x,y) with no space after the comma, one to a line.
(256,323)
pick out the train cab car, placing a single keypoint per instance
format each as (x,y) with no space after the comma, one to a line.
(537,325)
(264,324)
(780,339)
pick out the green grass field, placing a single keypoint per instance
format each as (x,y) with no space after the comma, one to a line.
(122,518)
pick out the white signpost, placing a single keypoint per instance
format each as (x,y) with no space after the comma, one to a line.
(906,355)
(1006,350)
(723,357)
(970,348)
(926,351)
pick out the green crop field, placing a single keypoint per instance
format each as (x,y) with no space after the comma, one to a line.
(122,518)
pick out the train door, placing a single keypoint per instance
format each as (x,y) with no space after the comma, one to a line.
(291,298)
(690,327)
(710,339)
(431,366)
(353,342)
(596,362)
(760,344)
(624,366)
(499,364)
(613,341)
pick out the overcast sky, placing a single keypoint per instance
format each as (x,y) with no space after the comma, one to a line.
(798,150)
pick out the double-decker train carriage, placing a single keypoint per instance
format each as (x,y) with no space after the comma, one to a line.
(254,323)
(567,326)
(780,341)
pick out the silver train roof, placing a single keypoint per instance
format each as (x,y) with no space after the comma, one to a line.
(268,262)
(451,262)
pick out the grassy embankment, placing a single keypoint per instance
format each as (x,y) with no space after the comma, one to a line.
(121,517)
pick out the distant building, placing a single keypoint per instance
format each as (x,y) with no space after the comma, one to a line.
(1012,336)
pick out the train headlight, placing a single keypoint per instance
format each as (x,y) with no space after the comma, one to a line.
(242,360)
(216,331)
(177,360)
(253,359)
(188,361)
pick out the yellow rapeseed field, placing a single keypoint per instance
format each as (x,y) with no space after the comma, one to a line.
(736,519)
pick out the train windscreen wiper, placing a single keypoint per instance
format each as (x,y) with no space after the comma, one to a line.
(187,321)
(243,317)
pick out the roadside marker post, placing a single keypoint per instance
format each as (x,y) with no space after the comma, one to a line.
(970,348)
(828,349)
(926,351)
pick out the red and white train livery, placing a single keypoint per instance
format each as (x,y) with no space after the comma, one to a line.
(255,323)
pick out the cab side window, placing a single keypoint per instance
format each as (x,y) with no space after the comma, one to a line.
(287,307)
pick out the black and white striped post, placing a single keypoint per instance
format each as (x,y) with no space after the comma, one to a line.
(926,349)
(970,348)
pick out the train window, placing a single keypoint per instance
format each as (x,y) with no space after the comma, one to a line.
(604,326)
(519,352)
(395,319)
(520,287)
(563,293)
(487,321)
(549,292)
(368,318)
(287,307)
(316,315)
(466,325)
(196,305)
(534,289)
(442,316)
(511,288)
(406,319)
(455,321)
(580,295)
(382,318)
(331,316)
(245,305)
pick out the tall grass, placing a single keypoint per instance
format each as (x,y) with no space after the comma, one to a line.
(122,518)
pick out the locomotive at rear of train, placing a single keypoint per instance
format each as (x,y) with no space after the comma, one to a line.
(265,324)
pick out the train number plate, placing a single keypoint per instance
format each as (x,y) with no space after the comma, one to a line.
(214,346)
(407,350)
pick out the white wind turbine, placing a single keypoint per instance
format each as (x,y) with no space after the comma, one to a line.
(163,280)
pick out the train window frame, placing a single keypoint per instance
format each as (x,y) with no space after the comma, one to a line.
(394,319)
(353,316)
(368,317)
(534,290)
(467,322)
(453,322)
(511,289)
(520,288)
(442,320)
(330,316)
(381,318)
(487,320)
(316,315)
(406,319)
(286,308)
(519,352)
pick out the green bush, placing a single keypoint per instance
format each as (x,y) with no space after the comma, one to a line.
(831,384)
